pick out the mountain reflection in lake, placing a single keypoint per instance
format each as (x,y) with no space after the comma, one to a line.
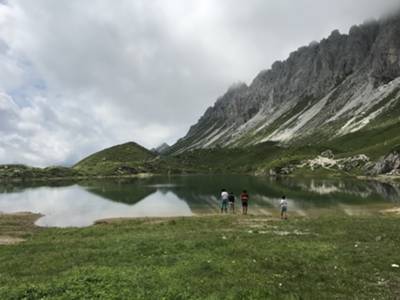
(80,204)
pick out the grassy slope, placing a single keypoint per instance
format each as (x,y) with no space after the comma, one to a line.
(108,160)
(373,141)
(238,160)
(205,258)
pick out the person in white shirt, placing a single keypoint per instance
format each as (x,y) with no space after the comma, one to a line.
(224,201)
(284,207)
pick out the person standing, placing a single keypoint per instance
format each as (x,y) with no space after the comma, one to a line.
(284,207)
(244,197)
(224,201)
(231,200)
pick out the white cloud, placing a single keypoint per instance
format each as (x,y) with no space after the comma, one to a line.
(83,75)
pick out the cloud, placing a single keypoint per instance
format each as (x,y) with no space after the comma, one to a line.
(78,76)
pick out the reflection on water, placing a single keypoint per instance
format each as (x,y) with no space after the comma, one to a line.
(74,206)
(71,204)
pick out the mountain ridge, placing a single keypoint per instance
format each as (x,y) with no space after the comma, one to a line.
(327,89)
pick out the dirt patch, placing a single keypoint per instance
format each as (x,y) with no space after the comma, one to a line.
(246,220)
(8,240)
(141,220)
(395,210)
(282,233)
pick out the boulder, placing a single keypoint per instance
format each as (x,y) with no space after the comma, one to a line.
(389,165)
(328,154)
(358,161)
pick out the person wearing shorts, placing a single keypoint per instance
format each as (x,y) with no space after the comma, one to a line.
(224,201)
(244,197)
(284,207)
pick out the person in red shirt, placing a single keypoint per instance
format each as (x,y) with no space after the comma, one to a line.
(244,197)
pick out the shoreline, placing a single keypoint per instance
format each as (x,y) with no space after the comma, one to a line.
(381,178)
(294,216)
(76,178)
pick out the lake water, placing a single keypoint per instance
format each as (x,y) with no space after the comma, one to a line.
(77,204)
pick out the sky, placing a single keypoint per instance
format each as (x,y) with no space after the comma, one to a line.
(78,76)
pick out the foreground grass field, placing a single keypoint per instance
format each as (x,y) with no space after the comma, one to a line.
(214,257)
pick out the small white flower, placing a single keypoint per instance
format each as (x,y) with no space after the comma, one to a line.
(395,266)
(224,237)
(250,231)
(356,245)
(254,261)
(280,284)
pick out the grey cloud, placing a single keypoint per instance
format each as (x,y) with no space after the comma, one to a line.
(140,70)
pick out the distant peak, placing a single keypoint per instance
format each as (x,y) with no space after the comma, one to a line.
(161,149)
(237,86)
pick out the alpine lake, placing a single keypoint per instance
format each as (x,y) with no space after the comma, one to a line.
(82,203)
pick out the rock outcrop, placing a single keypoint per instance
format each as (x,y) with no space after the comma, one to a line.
(388,165)
(347,164)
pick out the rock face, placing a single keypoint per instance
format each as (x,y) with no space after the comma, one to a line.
(326,89)
(389,165)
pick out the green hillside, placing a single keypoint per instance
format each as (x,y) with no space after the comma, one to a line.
(125,159)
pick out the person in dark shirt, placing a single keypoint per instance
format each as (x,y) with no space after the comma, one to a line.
(231,200)
(244,197)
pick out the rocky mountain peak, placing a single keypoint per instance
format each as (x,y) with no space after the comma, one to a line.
(318,89)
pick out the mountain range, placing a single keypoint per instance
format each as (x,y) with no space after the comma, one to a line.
(344,84)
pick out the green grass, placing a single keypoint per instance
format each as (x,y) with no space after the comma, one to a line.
(206,258)
(22,172)
(131,156)
(374,142)
(226,160)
